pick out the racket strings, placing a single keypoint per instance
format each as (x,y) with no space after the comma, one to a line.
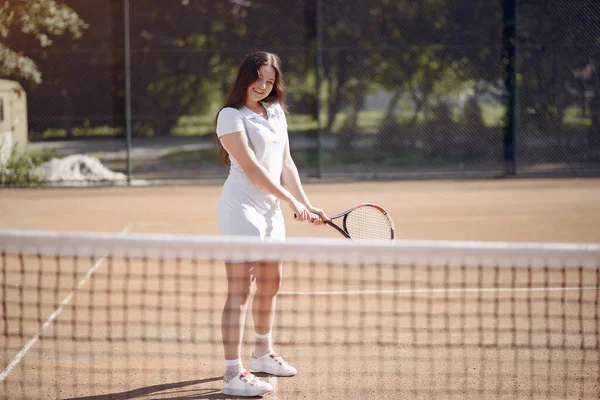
(368,223)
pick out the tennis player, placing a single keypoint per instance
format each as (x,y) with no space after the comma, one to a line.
(253,142)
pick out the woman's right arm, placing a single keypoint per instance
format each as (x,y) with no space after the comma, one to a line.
(237,146)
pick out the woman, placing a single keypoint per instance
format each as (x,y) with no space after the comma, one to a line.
(253,142)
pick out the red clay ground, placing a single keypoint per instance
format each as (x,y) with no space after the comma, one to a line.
(498,210)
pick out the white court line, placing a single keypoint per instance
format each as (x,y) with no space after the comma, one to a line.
(54,315)
(440,290)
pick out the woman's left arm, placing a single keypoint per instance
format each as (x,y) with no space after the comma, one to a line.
(290,180)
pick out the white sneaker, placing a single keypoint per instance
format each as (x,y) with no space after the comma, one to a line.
(246,385)
(272,364)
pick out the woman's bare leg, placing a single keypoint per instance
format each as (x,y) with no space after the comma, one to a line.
(240,281)
(268,282)
(264,358)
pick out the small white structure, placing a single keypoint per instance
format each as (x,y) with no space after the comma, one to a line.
(79,170)
(13,119)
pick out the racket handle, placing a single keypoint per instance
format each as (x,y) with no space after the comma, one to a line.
(313,216)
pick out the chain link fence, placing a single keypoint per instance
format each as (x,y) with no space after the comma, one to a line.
(559,91)
(412,87)
(376,88)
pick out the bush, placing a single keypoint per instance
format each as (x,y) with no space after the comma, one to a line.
(22,169)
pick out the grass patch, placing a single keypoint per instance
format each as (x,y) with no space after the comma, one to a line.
(199,125)
(79,132)
(371,121)
(572,118)
(193,125)
(368,121)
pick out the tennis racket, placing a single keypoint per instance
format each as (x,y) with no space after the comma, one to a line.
(363,221)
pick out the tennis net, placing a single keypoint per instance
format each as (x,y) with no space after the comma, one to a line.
(123,316)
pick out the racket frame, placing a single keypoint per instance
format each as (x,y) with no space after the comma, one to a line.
(344,230)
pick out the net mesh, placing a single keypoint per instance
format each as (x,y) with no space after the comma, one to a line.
(368,222)
(138,316)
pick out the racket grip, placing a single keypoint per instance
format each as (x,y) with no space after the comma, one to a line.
(313,216)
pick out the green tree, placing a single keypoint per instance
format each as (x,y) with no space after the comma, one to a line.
(406,47)
(183,57)
(184,53)
(41,19)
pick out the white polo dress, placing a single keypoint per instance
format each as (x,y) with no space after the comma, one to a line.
(243,208)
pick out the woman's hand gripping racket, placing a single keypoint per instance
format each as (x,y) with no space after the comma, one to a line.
(363,221)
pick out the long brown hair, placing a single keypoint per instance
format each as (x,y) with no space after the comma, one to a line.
(248,73)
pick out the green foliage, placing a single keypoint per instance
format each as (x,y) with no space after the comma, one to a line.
(9,60)
(22,169)
(78,131)
(40,18)
(423,53)
(573,118)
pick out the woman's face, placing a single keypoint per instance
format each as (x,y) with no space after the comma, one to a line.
(263,86)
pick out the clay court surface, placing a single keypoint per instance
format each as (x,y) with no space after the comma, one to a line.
(495,210)
(348,363)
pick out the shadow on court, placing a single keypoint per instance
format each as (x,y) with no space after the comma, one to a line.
(170,391)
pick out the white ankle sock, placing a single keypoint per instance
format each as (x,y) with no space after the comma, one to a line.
(232,369)
(262,345)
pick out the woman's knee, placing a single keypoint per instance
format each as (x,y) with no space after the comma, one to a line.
(268,287)
(239,298)
(240,283)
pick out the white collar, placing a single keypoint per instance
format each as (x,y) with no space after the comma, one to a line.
(269,108)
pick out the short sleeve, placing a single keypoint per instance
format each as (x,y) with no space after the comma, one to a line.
(230,120)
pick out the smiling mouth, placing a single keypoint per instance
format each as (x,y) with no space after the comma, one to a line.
(258,93)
